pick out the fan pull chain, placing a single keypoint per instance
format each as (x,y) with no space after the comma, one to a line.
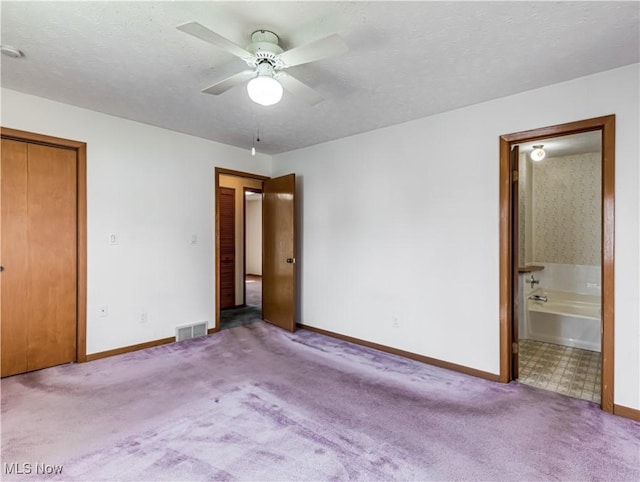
(253,145)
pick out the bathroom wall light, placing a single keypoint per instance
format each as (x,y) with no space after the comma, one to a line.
(537,154)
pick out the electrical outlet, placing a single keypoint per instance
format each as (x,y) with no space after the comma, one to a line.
(395,322)
(113,239)
(194,239)
(144,317)
(103,311)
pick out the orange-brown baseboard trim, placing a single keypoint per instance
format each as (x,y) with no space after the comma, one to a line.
(130,348)
(622,411)
(407,354)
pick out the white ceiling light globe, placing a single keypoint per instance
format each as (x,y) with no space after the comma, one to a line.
(264,90)
(538,153)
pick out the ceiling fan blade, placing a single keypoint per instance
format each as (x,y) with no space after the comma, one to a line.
(320,49)
(203,33)
(299,89)
(229,82)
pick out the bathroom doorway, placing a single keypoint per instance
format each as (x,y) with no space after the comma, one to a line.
(559,264)
(556,252)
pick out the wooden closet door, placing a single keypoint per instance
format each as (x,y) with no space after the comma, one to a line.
(14,302)
(39,256)
(227,206)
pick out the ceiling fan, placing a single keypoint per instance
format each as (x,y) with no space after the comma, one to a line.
(268,61)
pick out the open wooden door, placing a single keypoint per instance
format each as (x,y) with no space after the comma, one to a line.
(279,257)
(515,261)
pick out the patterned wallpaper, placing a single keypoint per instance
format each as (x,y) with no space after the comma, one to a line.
(566,209)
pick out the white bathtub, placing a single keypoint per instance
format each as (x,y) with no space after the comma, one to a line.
(570,319)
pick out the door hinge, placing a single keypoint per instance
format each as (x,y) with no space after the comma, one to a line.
(514,348)
(515,176)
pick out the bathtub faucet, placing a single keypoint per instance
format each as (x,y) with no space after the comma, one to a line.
(533,281)
(538,298)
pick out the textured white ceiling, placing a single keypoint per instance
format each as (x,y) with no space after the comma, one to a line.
(406,60)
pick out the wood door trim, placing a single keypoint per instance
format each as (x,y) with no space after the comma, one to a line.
(245,175)
(81,346)
(81,268)
(605,124)
(513,217)
(218,171)
(32,137)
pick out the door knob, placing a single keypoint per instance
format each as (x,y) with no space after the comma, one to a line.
(291,260)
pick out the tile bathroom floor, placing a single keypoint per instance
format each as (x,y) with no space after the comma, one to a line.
(562,369)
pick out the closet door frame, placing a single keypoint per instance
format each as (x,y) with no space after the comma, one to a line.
(80,149)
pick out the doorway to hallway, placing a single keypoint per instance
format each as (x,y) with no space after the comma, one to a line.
(251,312)
(277,246)
(251,309)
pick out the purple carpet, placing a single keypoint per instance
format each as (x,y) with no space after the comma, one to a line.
(257,403)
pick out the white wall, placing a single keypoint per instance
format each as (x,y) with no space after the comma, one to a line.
(254,236)
(402,224)
(155,189)
(396,224)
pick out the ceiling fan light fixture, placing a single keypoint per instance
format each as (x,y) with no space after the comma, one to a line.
(269,59)
(537,154)
(264,89)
